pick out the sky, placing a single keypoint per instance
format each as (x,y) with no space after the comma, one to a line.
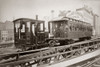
(13,9)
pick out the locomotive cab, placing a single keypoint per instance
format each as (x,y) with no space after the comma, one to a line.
(28,32)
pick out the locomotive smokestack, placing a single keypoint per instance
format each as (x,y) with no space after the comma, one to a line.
(36,17)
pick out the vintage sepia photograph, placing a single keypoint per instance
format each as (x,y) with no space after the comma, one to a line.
(49,33)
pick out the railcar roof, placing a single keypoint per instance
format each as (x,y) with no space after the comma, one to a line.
(67,18)
(27,19)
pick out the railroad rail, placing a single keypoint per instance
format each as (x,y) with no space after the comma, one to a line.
(49,55)
(93,63)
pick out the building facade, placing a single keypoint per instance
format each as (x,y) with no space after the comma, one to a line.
(85,14)
(6,31)
(4,35)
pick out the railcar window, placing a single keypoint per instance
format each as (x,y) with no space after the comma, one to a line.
(91,29)
(56,25)
(51,28)
(87,29)
(41,26)
(17,25)
(28,26)
(19,33)
(33,29)
(23,28)
(78,27)
(73,28)
(70,28)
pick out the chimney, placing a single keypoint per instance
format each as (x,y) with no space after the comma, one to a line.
(36,17)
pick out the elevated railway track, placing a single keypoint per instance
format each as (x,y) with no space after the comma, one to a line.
(49,56)
(94,63)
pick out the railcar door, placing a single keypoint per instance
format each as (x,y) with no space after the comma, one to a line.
(40,32)
(33,34)
(22,33)
(58,29)
(20,36)
(17,33)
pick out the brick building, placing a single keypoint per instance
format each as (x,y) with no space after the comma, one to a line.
(6,31)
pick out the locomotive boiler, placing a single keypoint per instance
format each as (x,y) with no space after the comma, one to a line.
(30,33)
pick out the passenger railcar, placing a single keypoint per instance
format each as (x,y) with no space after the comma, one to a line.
(66,29)
(31,33)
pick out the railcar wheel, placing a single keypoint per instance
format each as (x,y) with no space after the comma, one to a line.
(53,43)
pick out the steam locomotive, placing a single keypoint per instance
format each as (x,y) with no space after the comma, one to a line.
(30,33)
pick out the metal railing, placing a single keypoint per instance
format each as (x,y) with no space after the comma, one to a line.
(51,55)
